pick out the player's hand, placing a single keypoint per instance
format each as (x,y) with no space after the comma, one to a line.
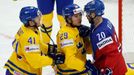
(52,50)
(59,58)
(84,31)
(90,67)
(106,71)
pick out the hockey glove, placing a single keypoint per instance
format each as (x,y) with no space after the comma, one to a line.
(90,67)
(84,30)
(52,50)
(59,58)
(106,71)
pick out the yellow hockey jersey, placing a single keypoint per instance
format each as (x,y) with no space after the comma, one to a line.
(71,44)
(26,58)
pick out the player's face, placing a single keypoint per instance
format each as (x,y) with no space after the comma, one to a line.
(90,17)
(76,19)
(38,20)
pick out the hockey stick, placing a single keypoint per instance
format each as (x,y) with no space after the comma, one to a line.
(48,34)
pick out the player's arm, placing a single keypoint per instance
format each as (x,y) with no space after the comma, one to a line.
(44,47)
(68,46)
(87,45)
(84,31)
(58,58)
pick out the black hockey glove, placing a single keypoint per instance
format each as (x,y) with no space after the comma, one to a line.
(106,71)
(52,50)
(59,58)
(84,30)
(91,68)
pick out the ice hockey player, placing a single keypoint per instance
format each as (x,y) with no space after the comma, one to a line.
(107,49)
(46,7)
(71,44)
(26,58)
